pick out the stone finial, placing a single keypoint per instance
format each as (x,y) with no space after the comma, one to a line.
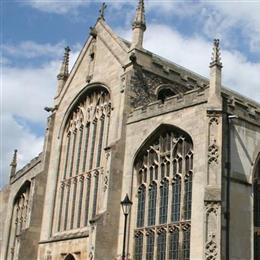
(139,25)
(216,55)
(13,164)
(215,99)
(139,21)
(102,11)
(64,69)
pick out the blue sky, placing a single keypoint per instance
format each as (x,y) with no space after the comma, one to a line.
(34,33)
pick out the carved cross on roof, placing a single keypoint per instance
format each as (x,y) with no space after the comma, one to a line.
(102,11)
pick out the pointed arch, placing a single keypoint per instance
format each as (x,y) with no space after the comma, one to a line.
(78,99)
(20,218)
(25,186)
(161,130)
(164,165)
(84,135)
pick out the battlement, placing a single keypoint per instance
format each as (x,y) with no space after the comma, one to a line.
(170,104)
(29,166)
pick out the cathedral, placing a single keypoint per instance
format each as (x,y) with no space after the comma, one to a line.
(143,159)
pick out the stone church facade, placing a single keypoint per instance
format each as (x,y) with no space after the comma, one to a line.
(125,121)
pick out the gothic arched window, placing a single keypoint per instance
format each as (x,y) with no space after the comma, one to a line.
(164,169)
(81,160)
(257,212)
(20,218)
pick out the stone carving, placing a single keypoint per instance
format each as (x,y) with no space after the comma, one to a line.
(213,153)
(105,182)
(144,85)
(214,120)
(212,207)
(211,249)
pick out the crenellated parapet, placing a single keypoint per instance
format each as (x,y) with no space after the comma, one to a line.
(170,104)
(28,167)
(246,109)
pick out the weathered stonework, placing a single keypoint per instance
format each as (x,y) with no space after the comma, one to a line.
(124,120)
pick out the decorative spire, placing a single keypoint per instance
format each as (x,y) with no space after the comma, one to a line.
(216,55)
(13,164)
(139,25)
(64,69)
(139,21)
(102,11)
(214,98)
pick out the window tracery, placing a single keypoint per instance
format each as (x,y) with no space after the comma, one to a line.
(80,168)
(20,218)
(164,169)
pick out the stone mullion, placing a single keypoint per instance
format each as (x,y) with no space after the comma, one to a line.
(79,150)
(92,143)
(146,206)
(20,215)
(66,164)
(72,155)
(65,213)
(170,191)
(108,125)
(61,203)
(96,143)
(91,196)
(167,247)
(14,224)
(80,192)
(88,204)
(157,203)
(85,152)
(104,140)
(144,244)
(74,203)
(180,254)
(100,141)
(22,212)
(95,194)
(84,210)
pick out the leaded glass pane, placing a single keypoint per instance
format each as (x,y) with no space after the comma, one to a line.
(141,207)
(95,196)
(164,190)
(161,246)
(187,197)
(152,205)
(67,156)
(138,247)
(257,205)
(174,245)
(186,244)
(257,247)
(169,159)
(150,246)
(176,199)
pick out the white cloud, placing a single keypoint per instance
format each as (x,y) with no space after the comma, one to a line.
(57,6)
(30,49)
(25,92)
(227,17)
(194,53)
